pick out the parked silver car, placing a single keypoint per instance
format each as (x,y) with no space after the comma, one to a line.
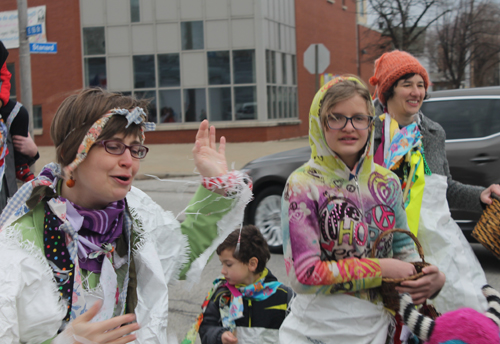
(471,119)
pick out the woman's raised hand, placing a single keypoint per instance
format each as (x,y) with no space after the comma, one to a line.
(209,161)
(108,331)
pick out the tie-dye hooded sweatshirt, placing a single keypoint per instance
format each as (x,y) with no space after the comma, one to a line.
(331,217)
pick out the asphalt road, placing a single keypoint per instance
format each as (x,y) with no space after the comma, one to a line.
(174,195)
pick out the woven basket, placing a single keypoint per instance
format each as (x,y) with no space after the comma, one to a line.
(487,230)
(390,296)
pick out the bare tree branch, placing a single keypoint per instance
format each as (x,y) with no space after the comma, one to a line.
(405,22)
(468,39)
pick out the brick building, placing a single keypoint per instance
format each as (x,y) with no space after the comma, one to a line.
(238,63)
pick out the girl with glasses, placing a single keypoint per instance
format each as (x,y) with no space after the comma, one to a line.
(334,208)
(84,256)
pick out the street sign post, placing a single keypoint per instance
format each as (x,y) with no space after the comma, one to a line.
(43,48)
(316,60)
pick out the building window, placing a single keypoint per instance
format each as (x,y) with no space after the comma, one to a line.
(195,105)
(283,68)
(144,71)
(281,102)
(93,41)
(245,100)
(170,105)
(220,104)
(270,67)
(192,35)
(226,101)
(361,9)
(168,70)
(293,103)
(12,69)
(94,44)
(270,102)
(135,11)
(95,72)
(151,97)
(244,66)
(281,96)
(218,68)
(278,34)
(37,117)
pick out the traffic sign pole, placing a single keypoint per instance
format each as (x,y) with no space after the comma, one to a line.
(316,62)
(25,62)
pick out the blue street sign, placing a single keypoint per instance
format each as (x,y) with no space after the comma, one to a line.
(43,48)
(34,30)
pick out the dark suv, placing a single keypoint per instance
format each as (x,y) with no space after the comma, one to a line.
(471,119)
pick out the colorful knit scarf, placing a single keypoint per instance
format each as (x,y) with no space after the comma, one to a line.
(232,309)
(403,152)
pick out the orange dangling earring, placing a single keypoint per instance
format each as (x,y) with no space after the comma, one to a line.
(70,182)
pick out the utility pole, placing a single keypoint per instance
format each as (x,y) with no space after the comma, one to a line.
(316,63)
(25,61)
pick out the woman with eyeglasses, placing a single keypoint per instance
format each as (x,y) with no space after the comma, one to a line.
(84,256)
(334,208)
(413,146)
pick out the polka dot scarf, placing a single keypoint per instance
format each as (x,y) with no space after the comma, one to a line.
(58,257)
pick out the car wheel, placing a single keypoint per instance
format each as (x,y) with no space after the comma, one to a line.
(265,214)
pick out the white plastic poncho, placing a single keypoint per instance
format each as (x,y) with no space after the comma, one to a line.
(29,308)
(338,318)
(445,246)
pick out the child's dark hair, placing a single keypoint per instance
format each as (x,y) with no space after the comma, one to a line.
(252,244)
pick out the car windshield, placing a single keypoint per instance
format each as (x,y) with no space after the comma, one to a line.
(465,118)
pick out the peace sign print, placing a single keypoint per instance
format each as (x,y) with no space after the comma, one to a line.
(384,217)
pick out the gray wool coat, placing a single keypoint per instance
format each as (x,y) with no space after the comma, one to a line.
(460,196)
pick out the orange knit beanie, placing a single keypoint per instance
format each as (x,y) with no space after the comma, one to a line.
(390,67)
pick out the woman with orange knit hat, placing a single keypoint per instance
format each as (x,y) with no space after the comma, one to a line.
(413,146)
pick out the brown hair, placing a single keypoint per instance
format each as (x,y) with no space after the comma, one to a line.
(344,90)
(252,244)
(77,114)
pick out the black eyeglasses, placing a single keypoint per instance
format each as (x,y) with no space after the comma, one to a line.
(118,148)
(338,122)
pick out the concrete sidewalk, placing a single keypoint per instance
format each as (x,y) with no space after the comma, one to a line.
(172,160)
